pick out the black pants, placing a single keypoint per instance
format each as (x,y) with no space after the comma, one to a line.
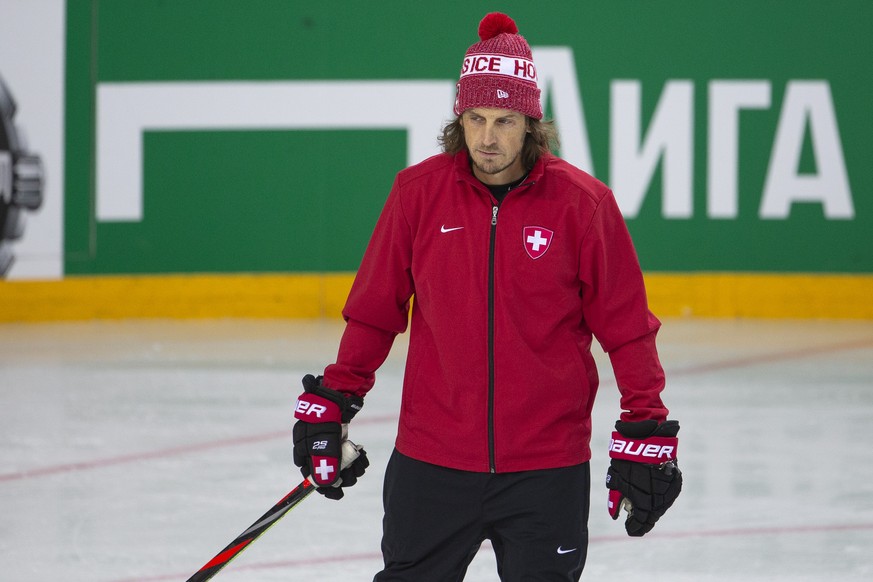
(436,519)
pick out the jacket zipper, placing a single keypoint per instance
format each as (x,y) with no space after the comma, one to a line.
(494,208)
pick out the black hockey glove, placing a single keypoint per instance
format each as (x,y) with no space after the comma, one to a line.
(643,476)
(322,425)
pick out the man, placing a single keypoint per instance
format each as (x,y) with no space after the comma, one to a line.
(516,260)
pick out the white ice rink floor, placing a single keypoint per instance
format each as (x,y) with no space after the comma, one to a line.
(135,451)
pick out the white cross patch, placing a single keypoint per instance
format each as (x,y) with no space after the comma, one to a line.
(324,470)
(537,240)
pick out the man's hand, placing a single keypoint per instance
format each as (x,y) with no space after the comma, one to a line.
(321,429)
(643,476)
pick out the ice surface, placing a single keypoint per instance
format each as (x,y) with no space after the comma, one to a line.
(136,450)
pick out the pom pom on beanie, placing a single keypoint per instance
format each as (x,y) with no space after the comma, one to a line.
(496,23)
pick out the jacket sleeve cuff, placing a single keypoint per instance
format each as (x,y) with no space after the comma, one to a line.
(362,351)
(640,379)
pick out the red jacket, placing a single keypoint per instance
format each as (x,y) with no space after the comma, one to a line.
(499,374)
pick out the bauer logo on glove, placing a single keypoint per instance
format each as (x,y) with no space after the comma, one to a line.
(652,449)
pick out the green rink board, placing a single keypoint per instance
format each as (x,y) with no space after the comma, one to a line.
(306,200)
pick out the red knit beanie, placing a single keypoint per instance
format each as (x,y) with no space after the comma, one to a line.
(499,71)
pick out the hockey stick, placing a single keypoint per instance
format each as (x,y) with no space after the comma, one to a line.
(286,504)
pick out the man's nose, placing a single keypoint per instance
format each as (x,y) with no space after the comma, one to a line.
(489,136)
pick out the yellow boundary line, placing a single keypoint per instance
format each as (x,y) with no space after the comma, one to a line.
(309,296)
(803,296)
(175,296)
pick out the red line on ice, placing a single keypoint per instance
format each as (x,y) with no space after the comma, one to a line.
(705,368)
(163,453)
(737,532)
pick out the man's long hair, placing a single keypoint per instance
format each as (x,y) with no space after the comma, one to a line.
(542,137)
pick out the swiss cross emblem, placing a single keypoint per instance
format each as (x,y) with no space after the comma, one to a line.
(323,469)
(536,240)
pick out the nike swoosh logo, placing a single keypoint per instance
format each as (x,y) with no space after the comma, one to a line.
(443,228)
(563,551)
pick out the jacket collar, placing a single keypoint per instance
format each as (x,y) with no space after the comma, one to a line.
(464,172)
